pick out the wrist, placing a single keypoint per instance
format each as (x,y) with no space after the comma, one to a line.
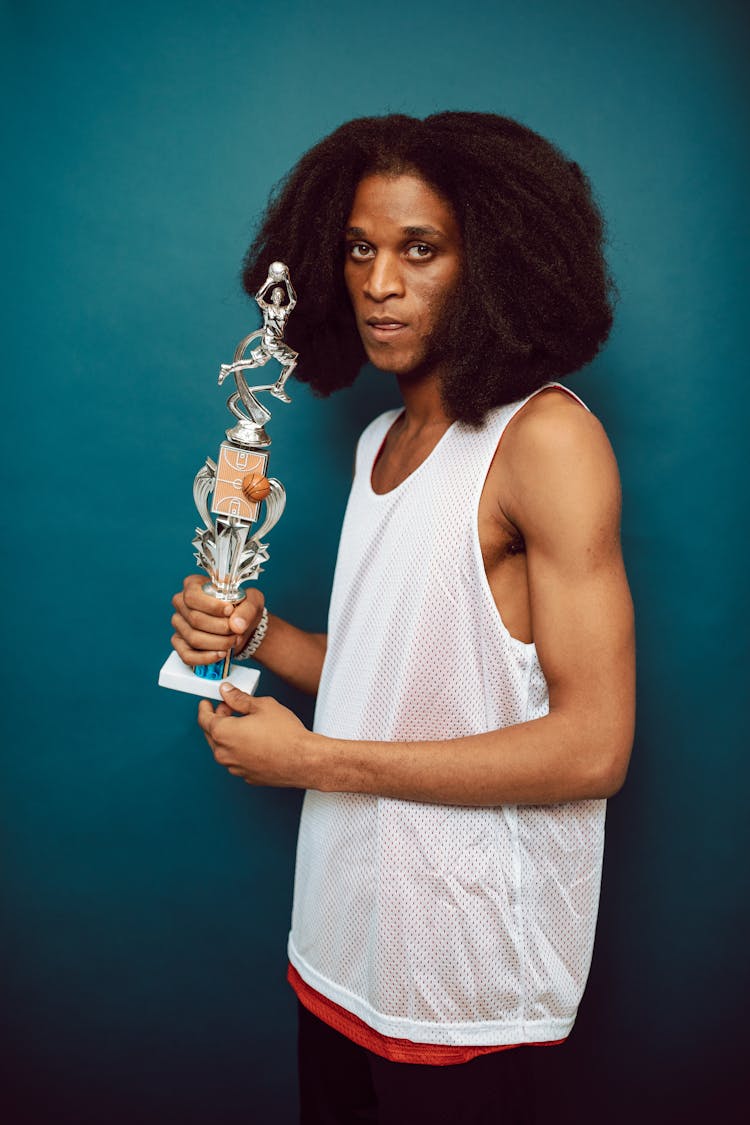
(315,758)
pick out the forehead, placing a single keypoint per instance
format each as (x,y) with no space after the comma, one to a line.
(400,202)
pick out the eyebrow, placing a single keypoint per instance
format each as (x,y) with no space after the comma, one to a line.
(410,232)
(422,232)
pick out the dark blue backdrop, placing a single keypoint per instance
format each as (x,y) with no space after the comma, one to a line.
(146,893)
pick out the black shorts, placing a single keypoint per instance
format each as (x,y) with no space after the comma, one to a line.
(342,1083)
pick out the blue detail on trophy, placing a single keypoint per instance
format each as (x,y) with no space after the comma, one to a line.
(210,671)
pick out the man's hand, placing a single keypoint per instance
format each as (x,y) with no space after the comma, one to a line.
(263,746)
(205,627)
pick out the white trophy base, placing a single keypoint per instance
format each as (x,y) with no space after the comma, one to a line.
(180,677)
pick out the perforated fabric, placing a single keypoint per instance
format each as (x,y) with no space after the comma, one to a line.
(438,924)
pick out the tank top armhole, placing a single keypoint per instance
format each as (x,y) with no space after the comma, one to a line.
(507,414)
(517,407)
(560,387)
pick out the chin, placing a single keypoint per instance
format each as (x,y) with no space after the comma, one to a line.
(407,367)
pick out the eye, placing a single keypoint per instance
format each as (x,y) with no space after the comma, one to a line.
(420,251)
(359,251)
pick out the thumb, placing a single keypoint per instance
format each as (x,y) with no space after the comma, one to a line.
(238,700)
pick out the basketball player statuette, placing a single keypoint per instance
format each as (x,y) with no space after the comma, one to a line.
(228,548)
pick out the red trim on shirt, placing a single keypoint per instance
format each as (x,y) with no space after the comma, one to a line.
(395,1050)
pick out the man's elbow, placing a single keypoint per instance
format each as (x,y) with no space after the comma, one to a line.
(614,781)
(611,761)
(599,745)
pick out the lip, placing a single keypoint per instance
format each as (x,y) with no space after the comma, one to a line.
(381,326)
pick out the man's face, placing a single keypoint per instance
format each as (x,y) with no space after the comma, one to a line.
(403,263)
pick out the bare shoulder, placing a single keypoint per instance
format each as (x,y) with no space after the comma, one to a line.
(557,463)
(553,424)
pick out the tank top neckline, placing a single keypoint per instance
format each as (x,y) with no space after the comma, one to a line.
(400,411)
(415,472)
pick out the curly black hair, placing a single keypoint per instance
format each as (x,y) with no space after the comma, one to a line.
(535,287)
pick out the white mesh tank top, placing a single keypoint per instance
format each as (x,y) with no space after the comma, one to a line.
(438,924)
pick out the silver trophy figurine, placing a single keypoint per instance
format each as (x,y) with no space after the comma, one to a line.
(227,548)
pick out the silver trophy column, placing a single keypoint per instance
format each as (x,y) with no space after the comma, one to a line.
(228,548)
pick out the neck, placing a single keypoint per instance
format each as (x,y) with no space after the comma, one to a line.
(422,402)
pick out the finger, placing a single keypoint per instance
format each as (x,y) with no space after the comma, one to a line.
(247,613)
(195,597)
(208,614)
(223,710)
(200,641)
(192,658)
(206,718)
(238,700)
(212,724)
(204,622)
(239,622)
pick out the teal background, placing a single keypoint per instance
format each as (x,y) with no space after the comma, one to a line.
(146,892)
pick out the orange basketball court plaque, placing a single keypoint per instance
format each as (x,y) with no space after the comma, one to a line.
(235,464)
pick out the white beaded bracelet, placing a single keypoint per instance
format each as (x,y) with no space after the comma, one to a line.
(256,638)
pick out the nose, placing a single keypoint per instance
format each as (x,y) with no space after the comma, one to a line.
(384,278)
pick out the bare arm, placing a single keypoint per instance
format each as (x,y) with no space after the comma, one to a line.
(293,654)
(563,494)
(205,628)
(291,295)
(261,294)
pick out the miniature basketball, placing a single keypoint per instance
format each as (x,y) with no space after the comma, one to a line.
(277,270)
(255,486)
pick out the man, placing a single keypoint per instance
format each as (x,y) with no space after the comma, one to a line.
(475,690)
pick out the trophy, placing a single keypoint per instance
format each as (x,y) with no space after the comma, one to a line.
(228,548)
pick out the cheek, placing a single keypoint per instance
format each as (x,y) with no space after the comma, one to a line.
(434,300)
